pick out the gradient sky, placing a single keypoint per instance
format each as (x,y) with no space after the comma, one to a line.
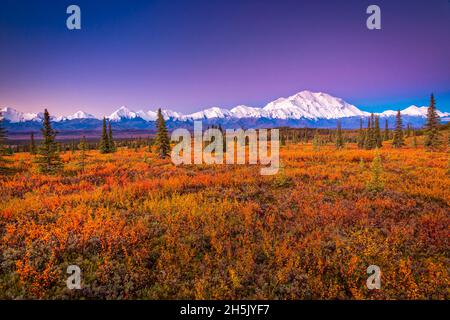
(188,55)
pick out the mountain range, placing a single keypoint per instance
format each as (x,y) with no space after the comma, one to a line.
(306,108)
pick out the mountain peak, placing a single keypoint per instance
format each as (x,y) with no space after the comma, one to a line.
(243,111)
(77,115)
(307,105)
(312,105)
(122,113)
(213,112)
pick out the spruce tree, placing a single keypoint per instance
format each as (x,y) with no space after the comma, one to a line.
(408,130)
(414,141)
(224,139)
(367,135)
(386,131)
(32,144)
(376,181)
(104,140)
(370,140)
(398,141)
(432,135)
(2,144)
(361,135)
(373,139)
(162,141)
(112,145)
(315,141)
(73,147)
(48,159)
(2,135)
(339,138)
(377,132)
(82,157)
(282,139)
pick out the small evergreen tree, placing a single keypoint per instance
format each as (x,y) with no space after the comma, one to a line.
(32,144)
(104,140)
(2,145)
(339,138)
(361,135)
(414,141)
(82,157)
(386,131)
(48,159)
(224,140)
(432,135)
(408,130)
(367,135)
(282,138)
(73,147)
(162,141)
(376,181)
(398,141)
(369,140)
(377,133)
(111,144)
(315,141)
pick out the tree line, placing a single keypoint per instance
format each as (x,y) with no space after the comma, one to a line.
(47,154)
(371,137)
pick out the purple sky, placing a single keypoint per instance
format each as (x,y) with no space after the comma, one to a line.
(188,55)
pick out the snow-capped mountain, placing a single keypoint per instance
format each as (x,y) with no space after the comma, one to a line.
(122,113)
(387,113)
(210,113)
(413,111)
(312,105)
(146,115)
(76,115)
(248,112)
(304,108)
(13,115)
(170,114)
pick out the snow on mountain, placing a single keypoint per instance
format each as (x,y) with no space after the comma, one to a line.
(125,113)
(13,115)
(388,113)
(413,111)
(312,105)
(303,105)
(146,115)
(214,112)
(122,113)
(242,111)
(76,115)
(170,114)
(416,111)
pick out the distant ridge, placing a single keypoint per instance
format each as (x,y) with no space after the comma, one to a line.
(305,108)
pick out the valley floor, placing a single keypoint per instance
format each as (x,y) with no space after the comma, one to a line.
(140,227)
